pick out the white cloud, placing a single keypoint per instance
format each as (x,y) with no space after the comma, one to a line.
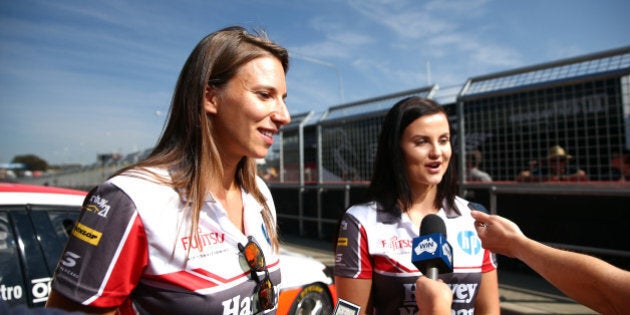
(405,19)
(458,8)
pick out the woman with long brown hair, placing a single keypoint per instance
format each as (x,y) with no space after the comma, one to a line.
(191,228)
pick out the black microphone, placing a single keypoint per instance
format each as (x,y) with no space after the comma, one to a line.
(432,254)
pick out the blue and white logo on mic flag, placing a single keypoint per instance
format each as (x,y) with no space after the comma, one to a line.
(435,249)
(427,245)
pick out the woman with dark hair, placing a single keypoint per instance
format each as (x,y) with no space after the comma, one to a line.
(191,229)
(414,176)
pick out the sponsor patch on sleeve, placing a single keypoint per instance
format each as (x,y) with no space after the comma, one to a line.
(86,234)
(342,241)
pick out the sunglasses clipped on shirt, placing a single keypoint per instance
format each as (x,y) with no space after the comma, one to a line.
(256,262)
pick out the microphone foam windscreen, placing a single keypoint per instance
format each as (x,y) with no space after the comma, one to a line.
(432,224)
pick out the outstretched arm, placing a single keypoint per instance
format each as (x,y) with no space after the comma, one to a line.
(586,279)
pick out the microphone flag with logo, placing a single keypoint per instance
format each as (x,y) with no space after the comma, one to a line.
(431,253)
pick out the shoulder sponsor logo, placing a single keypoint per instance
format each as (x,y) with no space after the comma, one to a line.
(344,225)
(469,242)
(86,234)
(98,205)
(338,258)
(342,241)
(68,261)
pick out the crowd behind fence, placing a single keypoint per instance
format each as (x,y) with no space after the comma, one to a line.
(515,120)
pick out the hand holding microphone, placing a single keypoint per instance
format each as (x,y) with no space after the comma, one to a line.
(431,252)
(433,297)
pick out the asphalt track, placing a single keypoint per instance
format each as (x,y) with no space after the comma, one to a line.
(520,293)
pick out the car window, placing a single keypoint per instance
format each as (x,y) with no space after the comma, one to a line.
(51,224)
(31,243)
(63,221)
(35,266)
(11,283)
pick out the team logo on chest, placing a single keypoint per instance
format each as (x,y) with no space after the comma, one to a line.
(469,242)
(202,239)
(395,243)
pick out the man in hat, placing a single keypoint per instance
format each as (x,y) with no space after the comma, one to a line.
(555,167)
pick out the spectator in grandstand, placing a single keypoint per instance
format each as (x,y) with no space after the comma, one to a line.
(526,175)
(555,167)
(190,229)
(473,173)
(414,175)
(621,163)
(588,280)
(270,174)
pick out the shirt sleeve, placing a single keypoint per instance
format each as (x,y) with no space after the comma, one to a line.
(106,252)
(352,257)
(489,261)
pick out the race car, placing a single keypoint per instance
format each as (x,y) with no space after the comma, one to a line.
(35,222)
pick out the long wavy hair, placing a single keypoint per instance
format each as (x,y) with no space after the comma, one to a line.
(390,185)
(187,147)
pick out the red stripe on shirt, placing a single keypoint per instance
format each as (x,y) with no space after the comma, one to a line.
(128,268)
(364,256)
(387,264)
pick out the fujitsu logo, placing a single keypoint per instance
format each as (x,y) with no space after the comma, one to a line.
(396,243)
(202,239)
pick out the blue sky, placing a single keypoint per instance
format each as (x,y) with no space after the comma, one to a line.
(79,78)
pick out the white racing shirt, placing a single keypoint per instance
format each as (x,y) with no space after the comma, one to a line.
(377,245)
(130,247)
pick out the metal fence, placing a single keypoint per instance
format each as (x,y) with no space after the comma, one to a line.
(581,104)
(512,119)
